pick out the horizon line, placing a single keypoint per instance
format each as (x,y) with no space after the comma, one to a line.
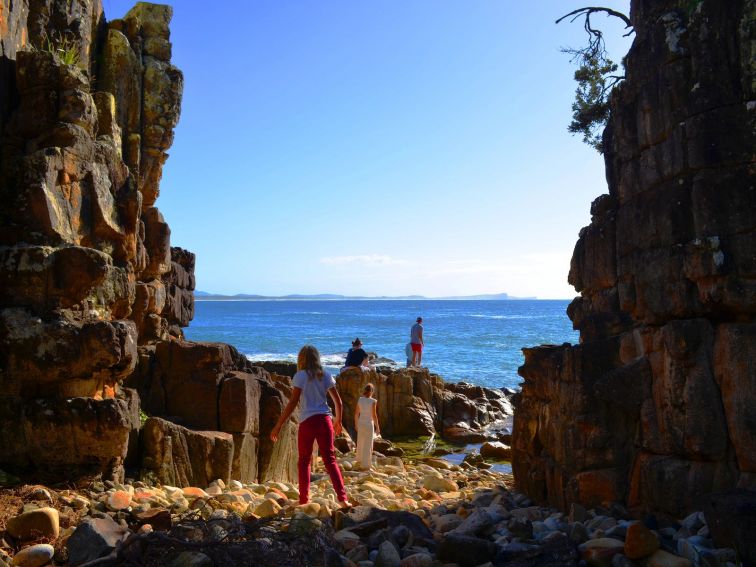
(208,296)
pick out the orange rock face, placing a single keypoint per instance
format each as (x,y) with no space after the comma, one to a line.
(653,407)
(93,296)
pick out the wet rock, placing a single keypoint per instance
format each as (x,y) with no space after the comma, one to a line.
(496,450)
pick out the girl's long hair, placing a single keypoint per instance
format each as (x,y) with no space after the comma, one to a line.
(309,360)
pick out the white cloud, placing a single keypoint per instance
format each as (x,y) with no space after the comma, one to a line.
(362,260)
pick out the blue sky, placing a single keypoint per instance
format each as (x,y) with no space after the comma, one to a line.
(379,147)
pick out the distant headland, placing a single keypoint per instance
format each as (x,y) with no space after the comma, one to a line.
(205,296)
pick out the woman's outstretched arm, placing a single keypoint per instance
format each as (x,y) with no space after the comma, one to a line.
(288,410)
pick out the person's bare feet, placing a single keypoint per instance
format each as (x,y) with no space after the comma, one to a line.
(344,504)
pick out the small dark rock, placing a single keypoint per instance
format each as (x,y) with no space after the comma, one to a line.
(521,528)
(466,551)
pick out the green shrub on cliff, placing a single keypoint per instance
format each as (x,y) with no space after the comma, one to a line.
(596,77)
(63,46)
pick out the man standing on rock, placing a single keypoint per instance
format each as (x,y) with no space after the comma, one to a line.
(416,340)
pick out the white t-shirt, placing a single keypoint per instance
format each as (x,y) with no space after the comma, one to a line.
(314,398)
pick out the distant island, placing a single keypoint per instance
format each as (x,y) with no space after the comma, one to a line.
(205,296)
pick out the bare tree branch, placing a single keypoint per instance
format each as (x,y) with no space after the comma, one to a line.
(588,10)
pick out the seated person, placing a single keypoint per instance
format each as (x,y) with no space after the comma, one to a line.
(357,356)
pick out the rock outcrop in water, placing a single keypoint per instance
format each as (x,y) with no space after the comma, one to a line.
(93,295)
(414,402)
(654,407)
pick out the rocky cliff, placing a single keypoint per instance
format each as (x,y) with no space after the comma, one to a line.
(654,407)
(92,295)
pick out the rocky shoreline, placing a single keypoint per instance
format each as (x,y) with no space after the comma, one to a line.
(651,412)
(407,514)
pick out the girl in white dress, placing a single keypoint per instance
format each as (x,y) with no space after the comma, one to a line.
(366,421)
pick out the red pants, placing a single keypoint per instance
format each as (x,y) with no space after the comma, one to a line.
(320,428)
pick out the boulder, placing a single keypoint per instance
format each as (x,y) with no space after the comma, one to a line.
(462,435)
(496,450)
(94,538)
(42,522)
(239,403)
(178,456)
(50,439)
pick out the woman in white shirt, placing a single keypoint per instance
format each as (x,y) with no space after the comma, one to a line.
(366,422)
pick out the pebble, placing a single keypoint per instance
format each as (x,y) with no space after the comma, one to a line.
(41,494)
(34,556)
(43,522)
(466,509)
(119,500)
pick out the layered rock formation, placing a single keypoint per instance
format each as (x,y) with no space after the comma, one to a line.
(654,407)
(415,402)
(92,293)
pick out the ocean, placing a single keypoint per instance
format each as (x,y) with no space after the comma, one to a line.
(474,341)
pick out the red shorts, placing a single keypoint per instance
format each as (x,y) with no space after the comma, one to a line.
(416,347)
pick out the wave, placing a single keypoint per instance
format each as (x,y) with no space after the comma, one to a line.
(266,356)
(334,360)
(305,313)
